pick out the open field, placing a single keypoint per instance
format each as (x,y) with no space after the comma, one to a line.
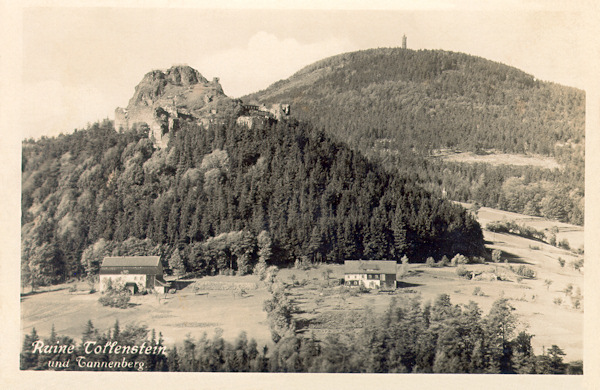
(497,158)
(187,311)
(324,307)
(573,233)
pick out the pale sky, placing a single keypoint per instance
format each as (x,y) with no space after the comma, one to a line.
(79,64)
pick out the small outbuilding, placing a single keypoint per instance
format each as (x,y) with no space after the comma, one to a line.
(371,274)
(135,273)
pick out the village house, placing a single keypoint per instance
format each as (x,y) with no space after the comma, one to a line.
(372,274)
(135,273)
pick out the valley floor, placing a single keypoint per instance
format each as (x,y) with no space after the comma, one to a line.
(543,308)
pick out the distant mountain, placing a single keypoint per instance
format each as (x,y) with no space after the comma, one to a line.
(403,107)
(431,99)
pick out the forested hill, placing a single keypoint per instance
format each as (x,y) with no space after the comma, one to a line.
(217,199)
(431,99)
(401,107)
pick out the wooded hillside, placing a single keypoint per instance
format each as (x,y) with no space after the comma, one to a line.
(203,201)
(400,106)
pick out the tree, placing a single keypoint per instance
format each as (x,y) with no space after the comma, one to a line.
(264,246)
(497,255)
(176,263)
(28,359)
(556,360)
(523,359)
(399,229)
(89,332)
(46,265)
(499,327)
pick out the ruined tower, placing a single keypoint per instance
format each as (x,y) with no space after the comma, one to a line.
(404,41)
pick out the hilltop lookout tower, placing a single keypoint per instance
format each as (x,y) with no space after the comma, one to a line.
(404,41)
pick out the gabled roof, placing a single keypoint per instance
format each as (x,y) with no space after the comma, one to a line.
(131,261)
(149,265)
(370,267)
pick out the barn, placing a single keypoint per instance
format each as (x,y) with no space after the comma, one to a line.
(136,273)
(372,274)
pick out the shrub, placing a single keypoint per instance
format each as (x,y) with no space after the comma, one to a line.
(477,291)
(403,268)
(477,260)
(463,272)
(73,288)
(576,302)
(430,262)
(459,259)
(116,298)
(303,264)
(512,227)
(91,281)
(577,264)
(496,255)
(561,261)
(564,243)
(558,301)
(260,269)
(444,262)
(271,274)
(523,271)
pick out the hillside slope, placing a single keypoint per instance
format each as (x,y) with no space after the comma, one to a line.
(402,107)
(431,100)
(203,202)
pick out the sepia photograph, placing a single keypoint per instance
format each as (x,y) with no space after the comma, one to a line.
(291,188)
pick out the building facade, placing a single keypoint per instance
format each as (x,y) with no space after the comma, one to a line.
(371,274)
(135,273)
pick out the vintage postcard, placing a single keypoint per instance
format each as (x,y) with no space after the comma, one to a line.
(261,194)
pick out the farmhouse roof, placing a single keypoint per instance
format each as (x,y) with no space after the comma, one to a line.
(147,265)
(370,267)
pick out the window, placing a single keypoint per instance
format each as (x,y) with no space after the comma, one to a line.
(372,277)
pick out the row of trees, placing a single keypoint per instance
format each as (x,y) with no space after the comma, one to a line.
(208,195)
(408,337)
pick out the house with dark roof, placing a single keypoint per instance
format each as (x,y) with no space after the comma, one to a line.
(371,274)
(135,273)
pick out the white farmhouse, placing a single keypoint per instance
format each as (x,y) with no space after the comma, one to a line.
(371,274)
(136,273)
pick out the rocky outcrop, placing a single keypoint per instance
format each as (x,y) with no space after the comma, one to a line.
(163,100)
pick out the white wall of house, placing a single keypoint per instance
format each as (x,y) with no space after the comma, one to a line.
(362,280)
(119,281)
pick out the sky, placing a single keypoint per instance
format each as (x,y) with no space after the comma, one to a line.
(80,63)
